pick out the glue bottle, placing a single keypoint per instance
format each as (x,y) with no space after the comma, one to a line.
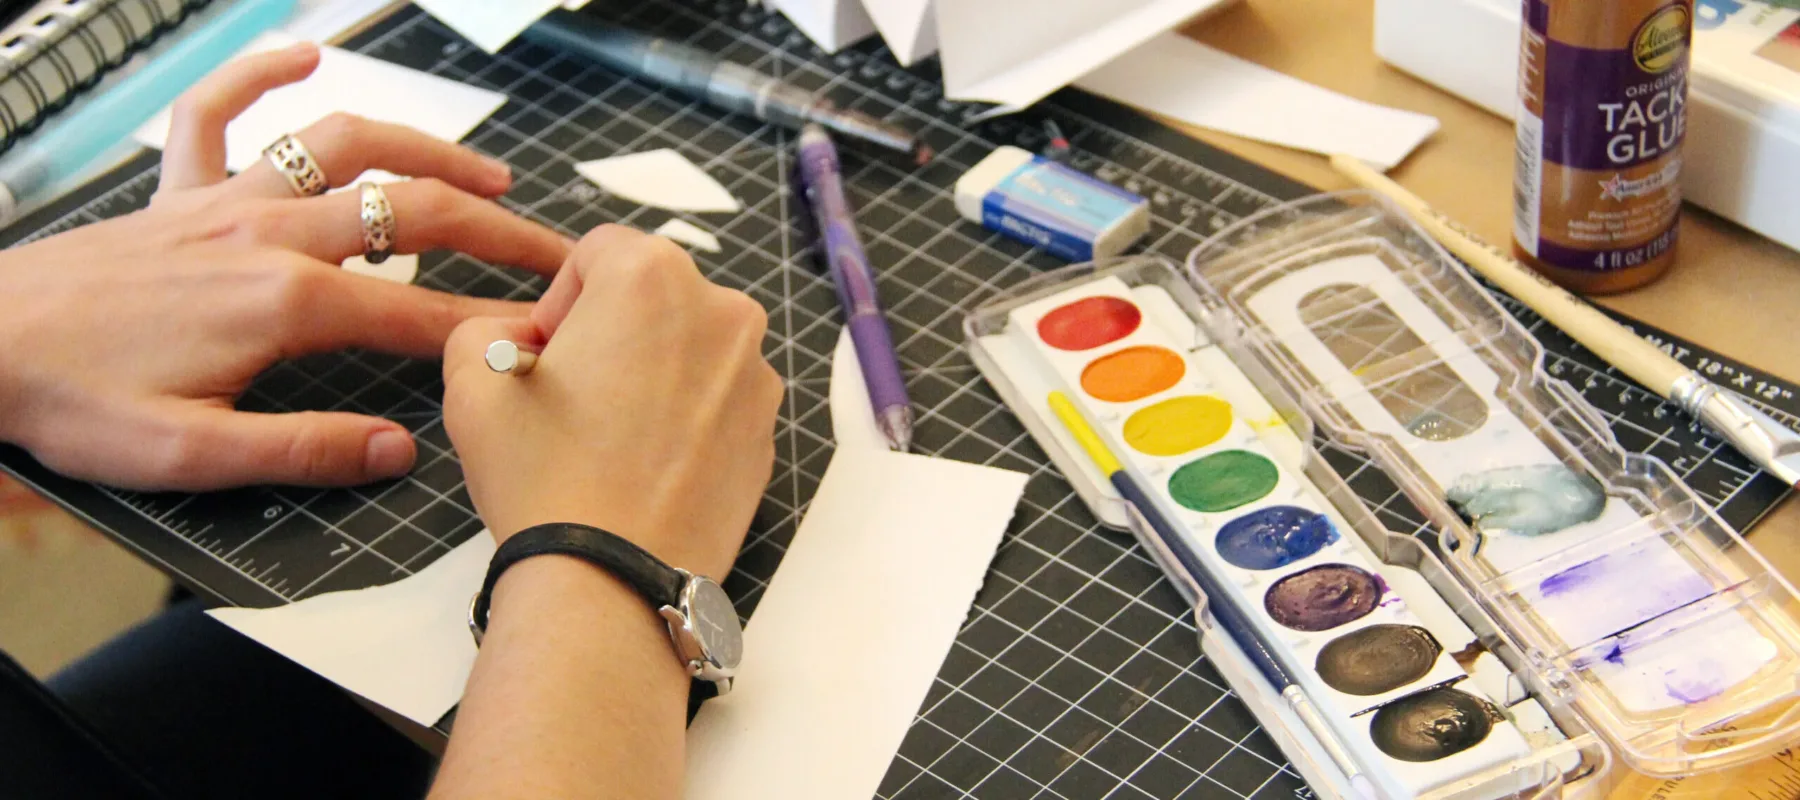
(1601,117)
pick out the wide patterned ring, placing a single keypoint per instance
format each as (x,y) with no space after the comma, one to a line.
(377,224)
(297,165)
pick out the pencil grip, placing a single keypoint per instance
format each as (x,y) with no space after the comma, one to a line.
(875,353)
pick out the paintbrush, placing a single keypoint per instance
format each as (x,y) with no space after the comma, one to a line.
(1233,619)
(1770,444)
(727,85)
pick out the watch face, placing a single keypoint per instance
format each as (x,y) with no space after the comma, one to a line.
(715,622)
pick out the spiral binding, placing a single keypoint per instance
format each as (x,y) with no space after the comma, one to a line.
(66,47)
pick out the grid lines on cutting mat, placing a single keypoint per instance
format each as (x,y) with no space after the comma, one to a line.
(1077,673)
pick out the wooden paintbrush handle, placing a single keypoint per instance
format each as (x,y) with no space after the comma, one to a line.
(1615,343)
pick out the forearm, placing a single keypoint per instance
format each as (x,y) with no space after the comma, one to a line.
(576,693)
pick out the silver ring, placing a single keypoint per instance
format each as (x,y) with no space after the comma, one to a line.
(377,223)
(297,165)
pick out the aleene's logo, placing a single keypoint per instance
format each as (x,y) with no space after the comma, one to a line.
(1661,40)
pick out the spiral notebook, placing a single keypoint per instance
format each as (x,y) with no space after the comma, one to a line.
(61,48)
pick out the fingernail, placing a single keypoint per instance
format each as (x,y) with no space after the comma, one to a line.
(500,170)
(390,454)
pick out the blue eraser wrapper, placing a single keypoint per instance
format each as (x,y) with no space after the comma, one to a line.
(1069,213)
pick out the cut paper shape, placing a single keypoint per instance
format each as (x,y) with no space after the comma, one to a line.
(852,414)
(831,24)
(1178,77)
(883,526)
(689,234)
(661,178)
(490,24)
(405,645)
(908,26)
(401,268)
(1015,53)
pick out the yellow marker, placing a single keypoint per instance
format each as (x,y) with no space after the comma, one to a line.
(1089,440)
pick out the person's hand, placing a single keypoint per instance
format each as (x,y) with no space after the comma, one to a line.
(650,413)
(124,344)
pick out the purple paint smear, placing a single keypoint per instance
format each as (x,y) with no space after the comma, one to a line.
(1616,655)
(1388,596)
(1689,677)
(1618,591)
(1573,578)
(1692,683)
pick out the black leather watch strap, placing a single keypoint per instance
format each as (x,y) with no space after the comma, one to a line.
(698,693)
(658,582)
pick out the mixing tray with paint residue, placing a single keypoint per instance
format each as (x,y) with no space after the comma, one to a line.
(1630,601)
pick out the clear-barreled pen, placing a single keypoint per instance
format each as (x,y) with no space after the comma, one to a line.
(823,185)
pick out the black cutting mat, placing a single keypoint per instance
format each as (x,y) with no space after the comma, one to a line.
(1077,674)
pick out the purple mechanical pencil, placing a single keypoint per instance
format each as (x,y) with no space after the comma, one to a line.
(823,185)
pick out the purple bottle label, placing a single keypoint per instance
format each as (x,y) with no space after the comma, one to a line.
(1602,116)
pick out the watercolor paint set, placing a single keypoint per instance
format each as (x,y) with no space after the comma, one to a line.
(1579,605)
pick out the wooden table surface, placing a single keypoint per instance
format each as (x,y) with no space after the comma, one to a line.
(1731,290)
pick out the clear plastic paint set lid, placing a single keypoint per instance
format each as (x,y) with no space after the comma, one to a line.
(1623,600)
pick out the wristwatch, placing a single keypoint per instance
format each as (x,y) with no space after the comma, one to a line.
(702,622)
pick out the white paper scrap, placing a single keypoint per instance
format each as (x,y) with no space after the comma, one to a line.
(831,24)
(689,234)
(852,414)
(908,26)
(399,268)
(325,20)
(1181,78)
(351,83)
(490,24)
(662,178)
(405,645)
(853,627)
(1014,53)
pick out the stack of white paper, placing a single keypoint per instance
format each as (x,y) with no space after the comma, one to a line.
(908,26)
(1178,77)
(1123,49)
(1008,52)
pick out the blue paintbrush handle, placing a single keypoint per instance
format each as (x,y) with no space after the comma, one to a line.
(1236,623)
(1238,626)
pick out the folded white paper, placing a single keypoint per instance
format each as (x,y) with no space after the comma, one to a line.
(1014,52)
(831,24)
(663,178)
(324,20)
(405,645)
(351,83)
(688,233)
(908,26)
(1181,78)
(853,628)
(490,24)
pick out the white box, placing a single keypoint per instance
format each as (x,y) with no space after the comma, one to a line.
(1742,156)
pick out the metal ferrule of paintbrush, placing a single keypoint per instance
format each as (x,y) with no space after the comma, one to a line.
(738,88)
(1770,444)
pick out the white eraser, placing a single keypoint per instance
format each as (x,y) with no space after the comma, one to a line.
(1069,213)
